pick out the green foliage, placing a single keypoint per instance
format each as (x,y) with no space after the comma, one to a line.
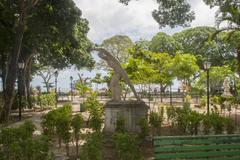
(206,124)
(92,149)
(171,113)
(76,123)
(184,66)
(118,46)
(96,112)
(189,121)
(217,75)
(203,101)
(19,143)
(120,124)
(144,128)
(163,43)
(50,121)
(127,147)
(195,41)
(194,119)
(47,100)
(228,11)
(156,120)
(83,107)
(58,122)
(229,125)
(217,123)
(82,88)
(182,119)
(96,119)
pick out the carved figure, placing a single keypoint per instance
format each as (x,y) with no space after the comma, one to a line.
(226,87)
(119,73)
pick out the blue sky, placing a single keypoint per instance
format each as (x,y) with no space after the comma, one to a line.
(108,18)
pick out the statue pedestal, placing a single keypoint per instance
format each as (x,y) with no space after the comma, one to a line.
(131,111)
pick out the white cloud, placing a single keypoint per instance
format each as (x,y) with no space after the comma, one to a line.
(109,17)
(204,15)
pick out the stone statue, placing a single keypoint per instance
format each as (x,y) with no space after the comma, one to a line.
(119,73)
(226,87)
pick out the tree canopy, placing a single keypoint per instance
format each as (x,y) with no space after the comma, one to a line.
(162,42)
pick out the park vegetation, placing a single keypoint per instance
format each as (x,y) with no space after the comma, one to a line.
(52,35)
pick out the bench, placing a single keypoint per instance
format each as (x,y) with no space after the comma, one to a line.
(212,147)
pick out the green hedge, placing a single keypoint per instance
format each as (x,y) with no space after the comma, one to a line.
(47,100)
(20,144)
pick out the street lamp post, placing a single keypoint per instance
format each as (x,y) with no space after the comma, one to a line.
(207,66)
(71,85)
(1,72)
(149,93)
(56,96)
(170,94)
(20,67)
(170,87)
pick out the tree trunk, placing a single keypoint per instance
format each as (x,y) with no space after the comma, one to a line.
(161,89)
(3,74)
(67,148)
(26,57)
(12,65)
(77,147)
(238,60)
(22,87)
(28,80)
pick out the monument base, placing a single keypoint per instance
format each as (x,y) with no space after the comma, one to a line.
(131,111)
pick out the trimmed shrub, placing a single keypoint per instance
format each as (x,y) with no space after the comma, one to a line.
(127,147)
(144,128)
(92,149)
(76,123)
(19,143)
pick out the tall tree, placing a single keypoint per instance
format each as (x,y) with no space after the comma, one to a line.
(184,67)
(118,46)
(55,35)
(22,10)
(195,41)
(162,42)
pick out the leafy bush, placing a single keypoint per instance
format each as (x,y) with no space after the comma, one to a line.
(76,123)
(144,128)
(194,120)
(171,113)
(189,121)
(182,119)
(83,107)
(47,100)
(19,143)
(57,122)
(96,119)
(155,120)
(49,123)
(96,111)
(203,101)
(217,123)
(92,149)
(120,124)
(206,124)
(127,146)
(229,125)
(63,131)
